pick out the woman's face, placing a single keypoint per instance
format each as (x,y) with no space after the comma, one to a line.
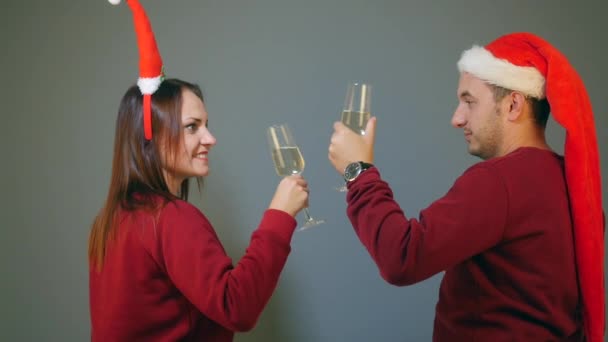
(191,159)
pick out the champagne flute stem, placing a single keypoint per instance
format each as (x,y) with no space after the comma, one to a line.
(307,214)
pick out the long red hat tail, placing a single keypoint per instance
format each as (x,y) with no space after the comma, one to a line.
(150,62)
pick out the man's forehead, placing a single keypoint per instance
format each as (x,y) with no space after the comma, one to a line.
(466,77)
(469,84)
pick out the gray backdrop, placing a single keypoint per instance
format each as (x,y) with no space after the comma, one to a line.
(67,63)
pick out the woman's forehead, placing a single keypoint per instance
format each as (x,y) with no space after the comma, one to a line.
(193,106)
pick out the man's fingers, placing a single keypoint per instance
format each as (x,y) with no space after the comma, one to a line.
(370,129)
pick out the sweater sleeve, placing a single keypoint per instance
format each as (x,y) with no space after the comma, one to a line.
(232,296)
(469,219)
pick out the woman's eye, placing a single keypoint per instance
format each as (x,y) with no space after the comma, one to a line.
(191,127)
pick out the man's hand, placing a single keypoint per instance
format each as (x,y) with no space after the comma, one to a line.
(347,146)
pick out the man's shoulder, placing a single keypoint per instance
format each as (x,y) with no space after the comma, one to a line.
(522,157)
(522,167)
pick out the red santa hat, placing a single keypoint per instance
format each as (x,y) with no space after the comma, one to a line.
(150,63)
(527,63)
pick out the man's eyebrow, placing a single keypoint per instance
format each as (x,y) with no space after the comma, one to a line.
(465,93)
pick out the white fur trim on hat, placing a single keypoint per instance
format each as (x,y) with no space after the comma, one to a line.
(482,64)
(114,2)
(149,85)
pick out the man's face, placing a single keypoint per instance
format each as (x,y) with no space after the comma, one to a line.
(479,117)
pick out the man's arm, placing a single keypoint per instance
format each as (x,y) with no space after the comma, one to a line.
(469,219)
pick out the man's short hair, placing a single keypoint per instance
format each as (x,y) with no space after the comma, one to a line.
(540,107)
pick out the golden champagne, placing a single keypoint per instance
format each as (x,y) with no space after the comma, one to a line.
(355,121)
(288,160)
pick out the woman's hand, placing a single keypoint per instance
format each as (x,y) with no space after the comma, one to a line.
(291,195)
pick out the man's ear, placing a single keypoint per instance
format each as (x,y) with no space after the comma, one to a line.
(515,106)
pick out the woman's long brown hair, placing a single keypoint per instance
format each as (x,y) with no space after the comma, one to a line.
(137,180)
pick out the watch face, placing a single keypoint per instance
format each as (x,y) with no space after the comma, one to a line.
(352,171)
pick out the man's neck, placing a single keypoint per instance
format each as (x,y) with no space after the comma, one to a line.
(525,138)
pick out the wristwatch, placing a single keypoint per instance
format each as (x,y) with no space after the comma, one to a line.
(353,170)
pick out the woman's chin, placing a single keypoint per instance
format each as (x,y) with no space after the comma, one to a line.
(202,173)
(196,173)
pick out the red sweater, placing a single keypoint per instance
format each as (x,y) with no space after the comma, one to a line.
(502,233)
(167,277)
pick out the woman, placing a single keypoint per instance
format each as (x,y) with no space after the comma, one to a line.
(157,269)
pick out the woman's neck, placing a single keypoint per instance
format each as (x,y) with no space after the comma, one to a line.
(173,183)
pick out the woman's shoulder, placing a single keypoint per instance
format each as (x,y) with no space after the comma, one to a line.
(177,215)
(168,209)
(181,208)
(160,205)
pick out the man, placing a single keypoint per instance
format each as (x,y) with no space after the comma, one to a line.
(520,234)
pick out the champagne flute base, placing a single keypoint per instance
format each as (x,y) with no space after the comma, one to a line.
(310,224)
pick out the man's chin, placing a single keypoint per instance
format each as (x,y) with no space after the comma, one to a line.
(475,152)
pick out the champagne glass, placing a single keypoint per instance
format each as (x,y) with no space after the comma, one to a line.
(288,160)
(357,110)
